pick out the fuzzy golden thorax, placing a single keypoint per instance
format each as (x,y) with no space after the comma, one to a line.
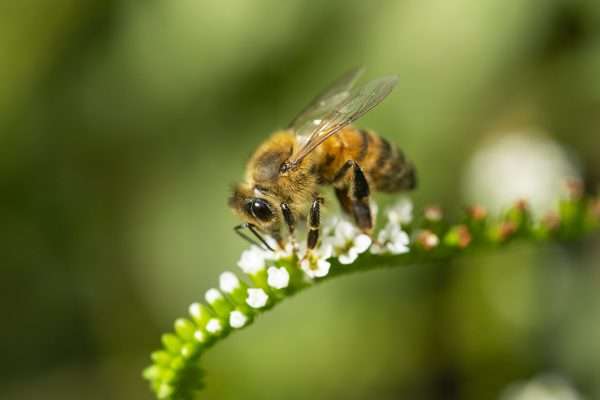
(258,199)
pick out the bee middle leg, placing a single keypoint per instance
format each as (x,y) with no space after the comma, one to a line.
(354,194)
(314,223)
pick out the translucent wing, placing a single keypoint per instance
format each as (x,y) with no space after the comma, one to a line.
(356,104)
(337,92)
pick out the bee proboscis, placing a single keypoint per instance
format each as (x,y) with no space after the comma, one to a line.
(320,148)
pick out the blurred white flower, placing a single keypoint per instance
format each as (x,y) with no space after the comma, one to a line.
(391,239)
(237,319)
(315,263)
(253,260)
(347,242)
(212,295)
(279,253)
(196,311)
(514,166)
(278,278)
(228,282)
(257,298)
(359,245)
(545,387)
(213,326)
(400,212)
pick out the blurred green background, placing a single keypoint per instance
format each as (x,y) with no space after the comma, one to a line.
(123,124)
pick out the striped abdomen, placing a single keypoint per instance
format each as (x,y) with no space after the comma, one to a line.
(383,163)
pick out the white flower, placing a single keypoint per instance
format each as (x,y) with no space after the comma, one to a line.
(348,242)
(278,278)
(391,239)
(344,231)
(212,295)
(328,227)
(253,260)
(195,311)
(213,326)
(228,282)
(280,253)
(518,165)
(360,244)
(257,298)
(315,263)
(401,212)
(237,319)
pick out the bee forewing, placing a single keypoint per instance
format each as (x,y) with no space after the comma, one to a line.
(333,95)
(356,104)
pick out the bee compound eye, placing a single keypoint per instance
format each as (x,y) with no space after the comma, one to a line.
(261,210)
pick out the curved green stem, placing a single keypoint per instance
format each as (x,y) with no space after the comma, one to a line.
(175,372)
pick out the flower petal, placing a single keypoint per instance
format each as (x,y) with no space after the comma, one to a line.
(228,282)
(257,298)
(252,260)
(237,319)
(278,278)
(362,243)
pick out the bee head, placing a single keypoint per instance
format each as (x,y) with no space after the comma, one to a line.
(252,206)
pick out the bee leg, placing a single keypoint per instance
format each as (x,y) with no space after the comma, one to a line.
(314,222)
(344,199)
(290,221)
(358,193)
(360,206)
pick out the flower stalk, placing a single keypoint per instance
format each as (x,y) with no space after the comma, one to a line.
(268,278)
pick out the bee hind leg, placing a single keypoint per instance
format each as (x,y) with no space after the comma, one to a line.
(354,195)
(344,199)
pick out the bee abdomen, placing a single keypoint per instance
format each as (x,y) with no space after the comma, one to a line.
(387,167)
(384,165)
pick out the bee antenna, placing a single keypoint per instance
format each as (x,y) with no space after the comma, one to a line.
(263,243)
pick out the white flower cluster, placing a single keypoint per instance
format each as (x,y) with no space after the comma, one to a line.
(340,239)
(392,239)
(234,303)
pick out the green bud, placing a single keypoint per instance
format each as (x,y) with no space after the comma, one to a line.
(161,357)
(185,329)
(218,303)
(164,391)
(152,372)
(177,363)
(189,350)
(172,343)
(200,314)
(167,375)
(458,236)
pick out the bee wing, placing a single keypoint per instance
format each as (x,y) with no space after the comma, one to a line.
(356,104)
(337,92)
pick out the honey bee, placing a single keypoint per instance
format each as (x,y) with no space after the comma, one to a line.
(318,148)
